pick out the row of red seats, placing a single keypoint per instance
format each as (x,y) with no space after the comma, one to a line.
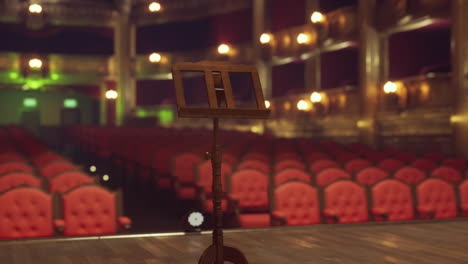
(26,208)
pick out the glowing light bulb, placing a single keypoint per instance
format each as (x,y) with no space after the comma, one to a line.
(35,63)
(302,105)
(105,177)
(315,97)
(35,8)
(302,38)
(265,38)
(223,49)
(317,17)
(155,57)
(111,94)
(92,168)
(390,87)
(267,104)
(154,7)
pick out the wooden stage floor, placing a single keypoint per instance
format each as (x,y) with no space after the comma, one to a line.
(415,242)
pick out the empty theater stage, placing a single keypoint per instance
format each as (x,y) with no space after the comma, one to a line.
(414,242)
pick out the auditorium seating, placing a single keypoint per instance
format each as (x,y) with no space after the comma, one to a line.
(17,178)
(25,212)
(90,210)
(295,203)
(345,202)
(291,174)
(463,191)
(67,180)
(392,201)
(370,175)
(436,199)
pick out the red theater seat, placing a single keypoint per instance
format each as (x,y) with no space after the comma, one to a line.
(463,189)
(289,163)
(406,157)
(54,167)
(315,156)
(370,176)
(392,201)
(296,203)
(90,210)
(424,164)
(65,181)
(345,202)
(46,158)
(13,179)
(449,174)
(320,165)
(25,212)
(455,163)
(291,174)
(254,164)
(250,189)
(410,175)
(183,169)
(391,165)
(12,166)
(8,157)
(330,175)
(356,165)
(435,156)
(436,199)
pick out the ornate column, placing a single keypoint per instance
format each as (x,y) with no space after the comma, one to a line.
(460,76)
(124,45)
(369,72)
(262,24)
(312,65)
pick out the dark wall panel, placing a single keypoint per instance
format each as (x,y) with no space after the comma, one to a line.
(339,68)
(285,14)
(57,39)
(328,5)
(154,92)
(288,79)
(410,52)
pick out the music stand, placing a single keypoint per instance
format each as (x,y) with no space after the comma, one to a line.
(218,85)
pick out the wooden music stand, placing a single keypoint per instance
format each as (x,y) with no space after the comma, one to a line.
(218,85)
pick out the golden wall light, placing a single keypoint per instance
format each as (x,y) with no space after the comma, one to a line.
(154,7)
(317,17)
(303,105)
(224,49)
(35,8)
(390,87)
(112,94)
(155,57)
(265,38)
(303,38)
(35,63)
(267,104)
(316,97)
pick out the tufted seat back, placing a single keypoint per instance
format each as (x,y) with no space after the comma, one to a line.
(424,164)
(250,187)
(254,164)
(184,167)
(205,173)
(437,196)
(347,200)
(330,175)
(291,174)
(289,163)
(68,180)
(14,166)
(320,165)
(298,202)
(371,175)
(89,210)
(260,156)
(356,165)
(448,174)
(394,199)
(46,158)
(14,179)
(53,168)
(25,213)
(410,175)
(391,165)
